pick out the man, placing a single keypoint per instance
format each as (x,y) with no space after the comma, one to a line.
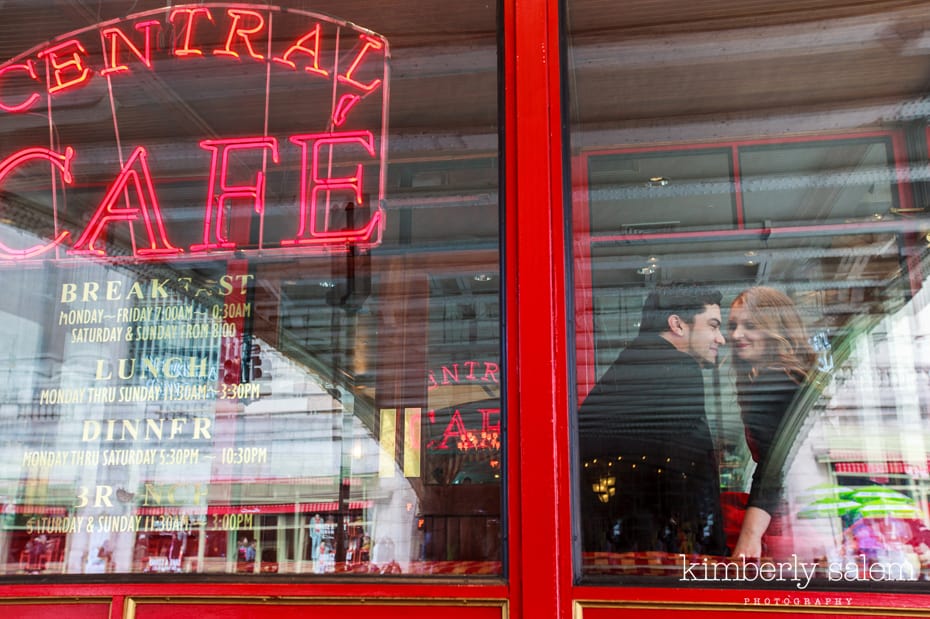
(644,429)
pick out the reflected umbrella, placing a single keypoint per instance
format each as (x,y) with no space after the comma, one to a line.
(879,493)
(825,491)
(829,508)
(889,509)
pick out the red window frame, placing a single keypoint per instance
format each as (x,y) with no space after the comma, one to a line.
(539,580)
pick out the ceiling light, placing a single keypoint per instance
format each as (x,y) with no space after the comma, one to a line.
(657,181)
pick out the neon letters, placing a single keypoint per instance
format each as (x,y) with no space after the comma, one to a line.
(346,61)
(60,161)
(131,198)
(69,65)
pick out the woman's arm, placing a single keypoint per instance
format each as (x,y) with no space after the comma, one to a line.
(749,543)
(766,402)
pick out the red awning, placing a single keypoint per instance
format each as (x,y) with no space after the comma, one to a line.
(286,508)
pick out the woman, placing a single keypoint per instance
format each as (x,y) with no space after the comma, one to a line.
(772,359)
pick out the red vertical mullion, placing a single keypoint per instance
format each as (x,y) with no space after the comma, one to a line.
(540,542)
(737,187)
(512,486)
(585,354)
(116,606)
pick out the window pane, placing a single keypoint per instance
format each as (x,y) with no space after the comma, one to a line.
(252,321)
(634,194)
(750,267)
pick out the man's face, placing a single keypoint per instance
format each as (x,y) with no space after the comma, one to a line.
(704,336)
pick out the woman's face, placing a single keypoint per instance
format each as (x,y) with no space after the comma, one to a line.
(749,342)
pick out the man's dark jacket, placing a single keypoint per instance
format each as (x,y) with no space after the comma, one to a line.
(646,417)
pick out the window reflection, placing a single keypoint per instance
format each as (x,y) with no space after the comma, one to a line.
(778,161)
(311,383)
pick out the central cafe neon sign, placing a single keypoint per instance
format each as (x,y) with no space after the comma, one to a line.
(352,62)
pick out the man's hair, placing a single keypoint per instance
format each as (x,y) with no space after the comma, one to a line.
(685,300)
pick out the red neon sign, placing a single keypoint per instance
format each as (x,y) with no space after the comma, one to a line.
(30,69)
(332,157)
(188,29)
(114,35)
(310,231)
(370,44)
(457,435)
(60,161)
(215,202)
(135,175)
(66,73)
(467,427)
(312,52)
(236,31)
(241,29)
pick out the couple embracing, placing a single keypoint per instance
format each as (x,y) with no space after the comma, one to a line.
(646,415)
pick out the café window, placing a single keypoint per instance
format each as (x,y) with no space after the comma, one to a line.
(750,251)
(252,310)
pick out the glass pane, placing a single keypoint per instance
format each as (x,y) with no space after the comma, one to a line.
(645,193)
(750,250)
(253,272)
(854,182)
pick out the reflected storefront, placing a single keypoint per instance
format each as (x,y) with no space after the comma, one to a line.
(794,224)
(246,332)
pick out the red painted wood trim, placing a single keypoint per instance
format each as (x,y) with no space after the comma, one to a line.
(541,514)
(513,568)
(436,593)
(746,599)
